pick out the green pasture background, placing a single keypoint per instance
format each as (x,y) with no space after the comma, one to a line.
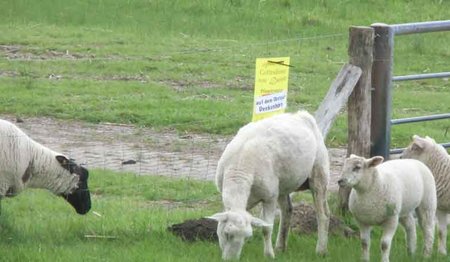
(187,66)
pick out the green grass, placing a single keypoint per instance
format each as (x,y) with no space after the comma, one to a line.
(135,212)
(189,65)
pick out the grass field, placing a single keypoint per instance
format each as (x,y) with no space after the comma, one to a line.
(37,226)
(188,66)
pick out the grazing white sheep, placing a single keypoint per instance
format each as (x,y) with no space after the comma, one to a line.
(386,193)
(436,158)
(265,162)
(26,163)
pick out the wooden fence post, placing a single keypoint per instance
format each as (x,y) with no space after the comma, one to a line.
(360,53)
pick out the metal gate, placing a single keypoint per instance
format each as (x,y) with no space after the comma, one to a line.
(382,82)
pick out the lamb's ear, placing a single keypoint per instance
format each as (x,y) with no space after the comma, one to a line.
(219,217)
(374,161)
(419,142)
(259,222)
(62,160)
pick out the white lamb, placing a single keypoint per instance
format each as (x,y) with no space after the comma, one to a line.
(436,158)
(384,193)
(265,162)
(25,163)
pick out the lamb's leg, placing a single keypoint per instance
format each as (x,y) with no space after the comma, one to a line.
(268,212)
(389,227)
(318,186)
(442,240)
(365,242)
(285,205)
(409,224)
(426,221)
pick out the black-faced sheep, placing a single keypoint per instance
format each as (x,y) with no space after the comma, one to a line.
(265,162)
(26,163)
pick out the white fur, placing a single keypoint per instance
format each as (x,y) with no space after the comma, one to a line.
(436,158)
(21,156)
(384,194)
(265,162)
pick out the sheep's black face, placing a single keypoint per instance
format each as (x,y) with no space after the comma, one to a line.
(80,198)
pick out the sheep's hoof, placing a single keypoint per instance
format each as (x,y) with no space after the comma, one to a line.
(269,253)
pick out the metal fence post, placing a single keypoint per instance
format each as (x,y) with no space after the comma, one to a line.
(381,94)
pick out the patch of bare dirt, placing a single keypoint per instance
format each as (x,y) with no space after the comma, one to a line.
(303,222)
(143,151)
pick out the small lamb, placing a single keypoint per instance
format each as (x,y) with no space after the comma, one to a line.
(265,162)
(436,158)
(26,163)
(386,193)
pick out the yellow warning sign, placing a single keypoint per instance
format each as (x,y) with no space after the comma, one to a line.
(271,86)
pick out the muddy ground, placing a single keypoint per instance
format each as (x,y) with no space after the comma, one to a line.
(139,150)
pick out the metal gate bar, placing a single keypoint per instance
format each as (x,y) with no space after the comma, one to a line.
(400,150)
(419,119)
(421,76)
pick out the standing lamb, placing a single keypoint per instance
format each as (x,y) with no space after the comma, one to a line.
(26,163)
(436,158)
(265,162)
(384,193)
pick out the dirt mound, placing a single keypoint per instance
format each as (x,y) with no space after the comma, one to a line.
(303,222)
(196,229)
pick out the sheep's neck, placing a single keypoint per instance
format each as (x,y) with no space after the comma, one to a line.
(438,162)
(370,181)
(44,173)
(236,191)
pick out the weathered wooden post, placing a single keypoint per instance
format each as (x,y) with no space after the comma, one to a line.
(381,96)
(360,53)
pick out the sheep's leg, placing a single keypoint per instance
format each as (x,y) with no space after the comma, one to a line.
(285,204)
(318,186)
(409,224)
(389,228)
(442,240)
(365,242)
(268,212)
(426,221)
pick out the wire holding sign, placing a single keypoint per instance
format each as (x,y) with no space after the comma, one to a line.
(271,86)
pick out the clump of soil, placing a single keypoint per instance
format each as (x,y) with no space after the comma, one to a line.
(196,229)
(303,221)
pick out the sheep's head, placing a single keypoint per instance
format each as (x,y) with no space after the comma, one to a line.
(233,229)
(355,167)
(417,148)
(80,197)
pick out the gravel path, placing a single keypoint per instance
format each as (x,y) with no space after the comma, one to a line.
(139,150)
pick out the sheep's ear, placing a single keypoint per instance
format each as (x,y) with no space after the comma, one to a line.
(62,160)
(352,156)
(219,217)
(374,161)
(259,222)
(419,142)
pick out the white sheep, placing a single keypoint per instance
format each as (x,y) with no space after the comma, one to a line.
(265,162)
(26,163)
(436,158)
(386,193)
